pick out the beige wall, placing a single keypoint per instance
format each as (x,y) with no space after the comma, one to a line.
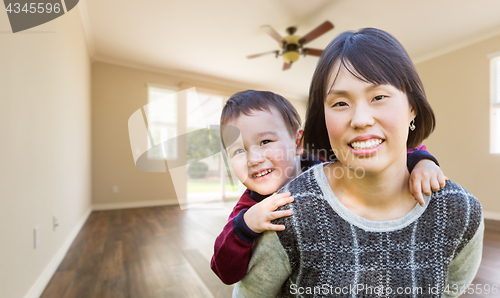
(117,92)
(458,87)
(44,145)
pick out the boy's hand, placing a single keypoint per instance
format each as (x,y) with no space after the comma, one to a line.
(426,176)
(258,217)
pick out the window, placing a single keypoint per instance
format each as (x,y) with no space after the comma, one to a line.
(198,174)
(495,105)
(207,107)
(161,113)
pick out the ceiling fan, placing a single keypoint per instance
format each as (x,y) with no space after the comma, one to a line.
(292,46)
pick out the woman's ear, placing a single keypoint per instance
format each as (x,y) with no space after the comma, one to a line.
(298,142)
(413,114)
(412,121)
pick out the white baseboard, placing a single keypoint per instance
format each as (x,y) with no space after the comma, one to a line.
(140,204)
(44,278)
(491,215)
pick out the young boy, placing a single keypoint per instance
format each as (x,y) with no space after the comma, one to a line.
(266,156)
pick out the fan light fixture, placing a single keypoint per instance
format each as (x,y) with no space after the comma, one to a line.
(292,45)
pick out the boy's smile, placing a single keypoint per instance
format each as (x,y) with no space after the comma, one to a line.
(263,173)
(264,156)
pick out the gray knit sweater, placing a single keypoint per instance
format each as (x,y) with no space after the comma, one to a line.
(328,251)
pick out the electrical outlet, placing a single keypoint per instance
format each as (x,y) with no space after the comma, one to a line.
(55,222)
(36,237)
(115,189)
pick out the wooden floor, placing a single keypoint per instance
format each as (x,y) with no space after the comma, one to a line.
(165,252)
(144,252)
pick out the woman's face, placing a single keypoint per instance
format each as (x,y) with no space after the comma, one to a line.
(367,124)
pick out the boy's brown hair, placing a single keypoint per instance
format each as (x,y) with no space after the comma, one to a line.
(252,100)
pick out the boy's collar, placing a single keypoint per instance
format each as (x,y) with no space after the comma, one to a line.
(257,196)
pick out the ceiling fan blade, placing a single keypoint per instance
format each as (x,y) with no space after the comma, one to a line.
(320,30)
(313,52)
(275,35)
(286,66)
(262,54)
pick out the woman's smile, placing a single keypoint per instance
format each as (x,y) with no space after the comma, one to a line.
(366,144)
(366,148)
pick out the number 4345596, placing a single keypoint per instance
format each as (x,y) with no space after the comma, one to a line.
(472,289)
(34,8)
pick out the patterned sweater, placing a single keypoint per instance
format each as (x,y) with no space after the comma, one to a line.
(233,247)
(328,251)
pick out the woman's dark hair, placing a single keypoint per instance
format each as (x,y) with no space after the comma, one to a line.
(373,56)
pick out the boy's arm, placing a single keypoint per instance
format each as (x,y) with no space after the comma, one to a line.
(268,270)
(233,247)
(425,173)
(414,155)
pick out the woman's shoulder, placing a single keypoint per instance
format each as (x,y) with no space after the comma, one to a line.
(305,182)
(454,193)
(457,201)
(458,211)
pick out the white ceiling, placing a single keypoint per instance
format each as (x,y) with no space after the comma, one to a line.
(213,37)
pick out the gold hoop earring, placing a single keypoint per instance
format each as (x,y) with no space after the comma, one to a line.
(412,125)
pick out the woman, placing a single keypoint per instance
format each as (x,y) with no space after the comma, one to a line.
(356,230)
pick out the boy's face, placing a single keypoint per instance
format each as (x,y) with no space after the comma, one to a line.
(263,157)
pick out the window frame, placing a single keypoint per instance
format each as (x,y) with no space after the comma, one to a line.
(174,89)
(181,108)
(494,103)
